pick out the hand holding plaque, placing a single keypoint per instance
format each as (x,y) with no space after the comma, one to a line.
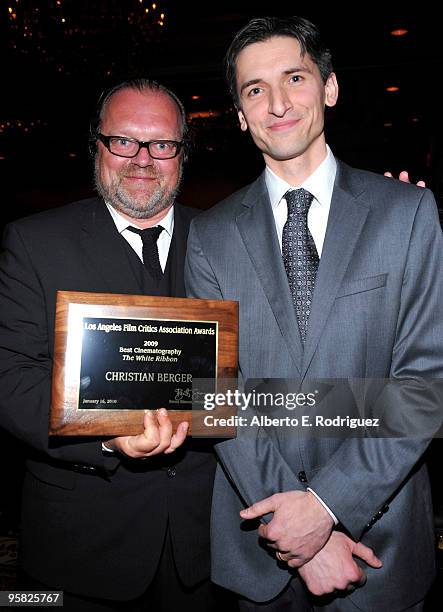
(158,437)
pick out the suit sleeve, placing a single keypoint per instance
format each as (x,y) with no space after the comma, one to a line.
(25,358)
(266,470)
(365,473)
(200,280)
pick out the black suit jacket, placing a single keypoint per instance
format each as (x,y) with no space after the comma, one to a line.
(91,524)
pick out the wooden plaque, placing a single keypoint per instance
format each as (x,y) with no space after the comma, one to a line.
(116,356)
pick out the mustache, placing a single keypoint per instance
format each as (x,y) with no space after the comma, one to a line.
(137,172)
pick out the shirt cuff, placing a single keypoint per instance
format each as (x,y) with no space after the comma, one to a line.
(328,510)
(109,451)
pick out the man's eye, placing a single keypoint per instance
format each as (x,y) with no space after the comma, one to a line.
(162,146)
(295,78)
(254,91)
(122,142)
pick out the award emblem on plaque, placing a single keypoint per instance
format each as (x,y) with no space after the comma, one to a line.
(116,356)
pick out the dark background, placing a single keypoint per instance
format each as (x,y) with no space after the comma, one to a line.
(57,56)
(54,71)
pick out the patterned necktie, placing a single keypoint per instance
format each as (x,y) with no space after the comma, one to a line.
(299,255)
(151,259)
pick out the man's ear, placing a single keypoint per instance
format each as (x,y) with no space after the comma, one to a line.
(331,90)
(242,120)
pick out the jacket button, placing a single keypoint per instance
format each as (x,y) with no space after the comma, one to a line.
(84,469)
(302,476)
(171,472)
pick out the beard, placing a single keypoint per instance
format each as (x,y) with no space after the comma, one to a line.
(141,205)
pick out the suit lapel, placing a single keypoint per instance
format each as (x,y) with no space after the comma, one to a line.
(104,251)
(347,216)
(256,225)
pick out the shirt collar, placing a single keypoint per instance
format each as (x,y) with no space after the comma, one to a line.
(320,183)
(121,223)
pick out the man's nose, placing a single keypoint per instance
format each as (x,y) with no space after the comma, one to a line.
(279,102)
(143,157)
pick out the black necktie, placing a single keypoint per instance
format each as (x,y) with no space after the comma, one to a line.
(151,259)
(299,255)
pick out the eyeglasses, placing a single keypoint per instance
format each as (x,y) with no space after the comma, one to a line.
(129,147)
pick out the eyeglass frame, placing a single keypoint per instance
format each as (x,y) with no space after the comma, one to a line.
(141,144)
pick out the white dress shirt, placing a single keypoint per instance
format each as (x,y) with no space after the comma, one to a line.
(135,240)
(320,184)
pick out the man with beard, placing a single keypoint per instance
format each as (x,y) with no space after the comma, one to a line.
(110,529)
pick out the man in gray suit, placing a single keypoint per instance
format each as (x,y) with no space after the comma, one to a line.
(338,275)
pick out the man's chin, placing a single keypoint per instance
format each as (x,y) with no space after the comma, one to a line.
(138,194)
(139,212)
(143,209)
(284,154)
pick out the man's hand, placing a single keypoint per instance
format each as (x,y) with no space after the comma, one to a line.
(157,437)
(333,567)
(404,177)
(299,528)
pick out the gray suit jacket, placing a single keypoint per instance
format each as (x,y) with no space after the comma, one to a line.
(376,313)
